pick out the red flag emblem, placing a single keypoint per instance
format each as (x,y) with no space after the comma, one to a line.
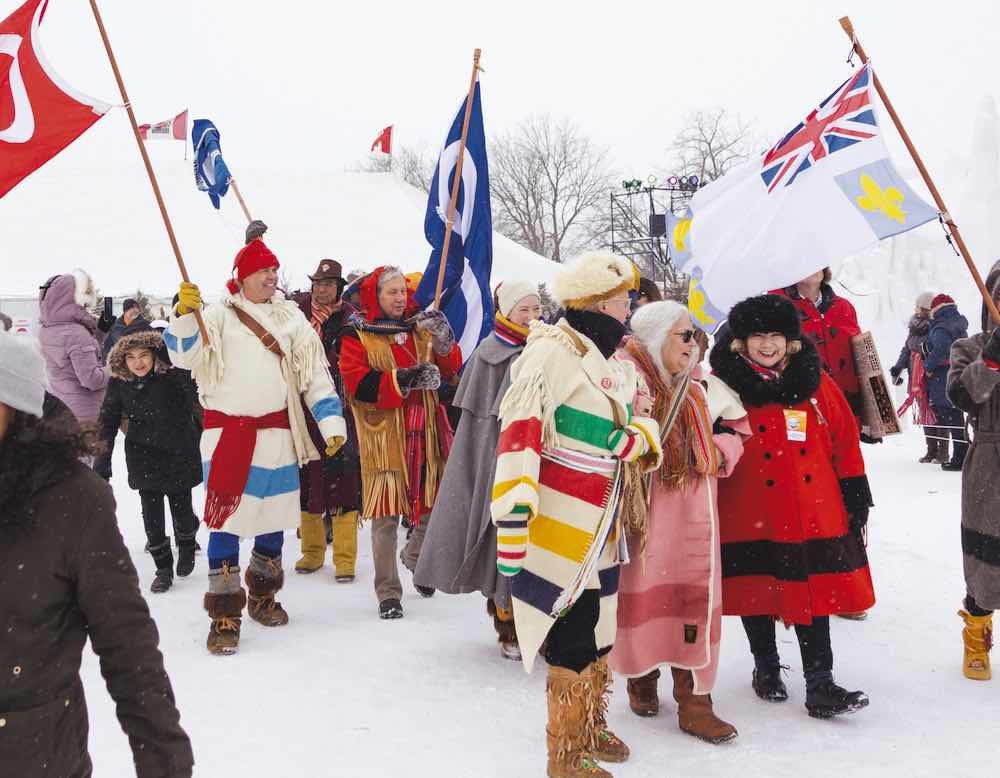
(40,114)
(384,141)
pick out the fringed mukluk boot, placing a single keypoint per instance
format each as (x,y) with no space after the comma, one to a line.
(694,711)
(570,701)
(503,622)
(345,545)
(224,602)
(606,745)
(313,536)
(978,639)
(264,578)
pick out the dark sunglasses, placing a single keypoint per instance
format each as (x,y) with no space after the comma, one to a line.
(685,336)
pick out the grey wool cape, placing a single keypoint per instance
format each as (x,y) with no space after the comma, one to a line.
(460,549)
(974,387)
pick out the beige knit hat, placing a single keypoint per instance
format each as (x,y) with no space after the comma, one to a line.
(592,277)
(510,293)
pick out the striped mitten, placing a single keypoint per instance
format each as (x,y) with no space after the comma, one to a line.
(512,541)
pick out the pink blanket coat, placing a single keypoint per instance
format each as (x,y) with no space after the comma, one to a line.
(670,601)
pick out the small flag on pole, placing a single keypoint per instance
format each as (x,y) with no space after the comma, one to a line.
(384,141)
(169,129)
(210,172)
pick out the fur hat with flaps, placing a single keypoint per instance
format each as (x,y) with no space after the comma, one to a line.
(765,313)
(593,277)
(142,336)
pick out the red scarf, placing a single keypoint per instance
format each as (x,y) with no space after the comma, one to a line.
(320,313)
(767,373)
(230,466)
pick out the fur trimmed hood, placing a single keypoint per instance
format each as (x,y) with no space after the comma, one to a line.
(592,277)
(145,338)
(798,382)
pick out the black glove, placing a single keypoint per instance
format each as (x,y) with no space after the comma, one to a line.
(897,380)
(866,438)
(106,322)
(435,324)
(857,500)
(858,520)
(991,350)
(422,376)
(721,429)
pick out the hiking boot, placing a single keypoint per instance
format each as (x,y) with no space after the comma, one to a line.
(264,577)
(978,639)
(226,611)
(163,581)
(605,745)
(694,711)
(828,700)
(569,697)
(313,536)
(643,698)
(390,609)
(768,685)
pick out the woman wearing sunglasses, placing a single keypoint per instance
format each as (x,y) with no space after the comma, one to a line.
(670,602)
(791,515)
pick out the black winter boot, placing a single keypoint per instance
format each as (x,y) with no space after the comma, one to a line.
(163,557)
(185,556)
(768,685)
(827,700)
(932,451)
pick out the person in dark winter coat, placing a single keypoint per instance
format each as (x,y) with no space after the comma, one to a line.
(66,578)
(161,443)
(947,326)
(911,359)
(331,486)
(974,387)
(131,313)
(792,513)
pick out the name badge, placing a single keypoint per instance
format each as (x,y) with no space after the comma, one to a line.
(795,425)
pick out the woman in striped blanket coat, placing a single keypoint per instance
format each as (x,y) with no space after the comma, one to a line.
(566,426)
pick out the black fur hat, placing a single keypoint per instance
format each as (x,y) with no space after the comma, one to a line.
(765,313)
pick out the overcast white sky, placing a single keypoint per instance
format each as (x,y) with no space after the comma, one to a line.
(298,83)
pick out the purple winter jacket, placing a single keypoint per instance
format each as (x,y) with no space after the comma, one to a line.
(69,345)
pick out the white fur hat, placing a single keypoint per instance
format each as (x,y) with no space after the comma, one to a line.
(510,293)
(592,277)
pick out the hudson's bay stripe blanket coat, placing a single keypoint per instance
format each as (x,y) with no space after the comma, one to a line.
(566,424)
(237,376)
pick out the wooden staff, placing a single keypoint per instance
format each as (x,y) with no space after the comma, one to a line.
(845,22)
(146,162)
(449,222)
(243,205)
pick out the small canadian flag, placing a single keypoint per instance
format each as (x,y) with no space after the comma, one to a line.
(175,128)
(384,141)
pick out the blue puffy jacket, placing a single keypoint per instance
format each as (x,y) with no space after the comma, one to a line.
(947,326)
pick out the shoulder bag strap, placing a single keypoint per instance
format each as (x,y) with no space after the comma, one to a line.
(266,338)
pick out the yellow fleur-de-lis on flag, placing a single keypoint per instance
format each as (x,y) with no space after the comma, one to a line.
(696,304)
(681,230)
(887,201)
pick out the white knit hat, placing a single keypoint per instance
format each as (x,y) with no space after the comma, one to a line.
(592,277)
(924,300)
(510,293)
(22,375)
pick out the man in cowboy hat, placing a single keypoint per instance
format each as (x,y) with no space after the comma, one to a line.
(331,487)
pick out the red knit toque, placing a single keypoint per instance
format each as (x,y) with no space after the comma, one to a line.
(249,259)
(941,299)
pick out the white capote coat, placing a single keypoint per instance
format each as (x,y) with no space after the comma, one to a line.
(239,377)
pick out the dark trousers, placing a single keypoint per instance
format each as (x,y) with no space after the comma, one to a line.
(814,645)
(952,420)
(974,609)
(154,521)
(571,642)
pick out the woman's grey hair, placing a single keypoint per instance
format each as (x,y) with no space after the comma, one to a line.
(389,274)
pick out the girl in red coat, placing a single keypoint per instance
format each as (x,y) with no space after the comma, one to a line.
(791,513)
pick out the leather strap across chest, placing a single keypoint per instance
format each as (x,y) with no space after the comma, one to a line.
(266,338)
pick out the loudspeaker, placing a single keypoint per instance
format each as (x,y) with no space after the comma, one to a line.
(657,225)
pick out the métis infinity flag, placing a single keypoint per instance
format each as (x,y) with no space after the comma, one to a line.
(210,172)
(466,298)
(826,190)
(40,114)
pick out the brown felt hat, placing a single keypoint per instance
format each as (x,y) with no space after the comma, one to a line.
(327,270)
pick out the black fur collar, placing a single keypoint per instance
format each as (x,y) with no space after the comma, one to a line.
(797,383)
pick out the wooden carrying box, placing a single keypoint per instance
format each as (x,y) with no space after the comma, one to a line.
(878,413)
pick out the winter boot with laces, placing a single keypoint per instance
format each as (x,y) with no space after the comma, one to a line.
(570,697)
(978,639)
(264,578)
(642,695)
(694,711)
(768,685)
(224,602)
(605,745)
(826,700)
(163,557)
(503,622)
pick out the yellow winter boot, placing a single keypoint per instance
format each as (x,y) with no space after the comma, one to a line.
(978,639)
(345,545)
(313,543)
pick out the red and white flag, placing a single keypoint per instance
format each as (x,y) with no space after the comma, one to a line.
(40,114)
(384,141)
(175,129)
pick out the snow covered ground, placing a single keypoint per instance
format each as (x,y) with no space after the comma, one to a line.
(340,693)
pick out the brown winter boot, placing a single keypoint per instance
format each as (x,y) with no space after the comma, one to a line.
(978,639)
(313,536)
(605,744)
(694,711)
(226,611)
(503,622)
(642,696)
(569,699)
(265,577)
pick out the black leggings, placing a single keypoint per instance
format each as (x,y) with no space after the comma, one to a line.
(814,643)
(974,609)
(952,421)
(181,511)
(572,643)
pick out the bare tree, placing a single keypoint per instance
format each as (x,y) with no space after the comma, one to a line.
(414,166)
(710,143)
(547,180)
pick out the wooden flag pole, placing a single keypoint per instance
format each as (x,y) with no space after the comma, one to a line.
(845,23)
(243,205)
(145,160)
(450,221)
